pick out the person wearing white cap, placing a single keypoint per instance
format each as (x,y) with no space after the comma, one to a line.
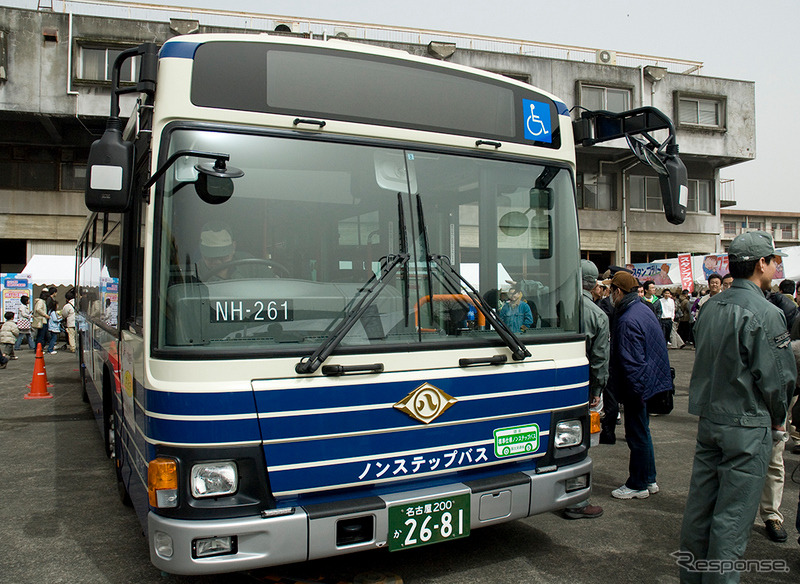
(743,378)
(217,249)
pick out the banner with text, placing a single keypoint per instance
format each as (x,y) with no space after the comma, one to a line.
(12,288)
(686,272)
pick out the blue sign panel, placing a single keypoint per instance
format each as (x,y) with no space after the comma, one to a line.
(537,121)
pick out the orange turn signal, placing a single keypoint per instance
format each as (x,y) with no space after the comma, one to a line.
(162,482)
(595,426)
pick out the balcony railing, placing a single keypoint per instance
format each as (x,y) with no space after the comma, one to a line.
(727,192)
(258,22)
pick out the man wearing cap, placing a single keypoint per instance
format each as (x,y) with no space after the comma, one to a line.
(601,298)
(217,249)
(595,325)
(743,378)
(639,369)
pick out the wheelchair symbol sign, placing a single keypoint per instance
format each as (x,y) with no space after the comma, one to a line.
(537,121)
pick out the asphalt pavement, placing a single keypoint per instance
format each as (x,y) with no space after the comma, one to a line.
(62,521)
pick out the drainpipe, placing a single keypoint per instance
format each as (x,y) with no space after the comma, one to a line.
(69,63)
(641,86)
(624,202)
(625,250)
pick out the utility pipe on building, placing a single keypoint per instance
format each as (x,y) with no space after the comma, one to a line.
(625,253)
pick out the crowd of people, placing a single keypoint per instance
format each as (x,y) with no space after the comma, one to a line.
(743,389)
(39,324)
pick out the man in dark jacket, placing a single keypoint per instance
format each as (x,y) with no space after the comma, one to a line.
(639,370)
(786,304)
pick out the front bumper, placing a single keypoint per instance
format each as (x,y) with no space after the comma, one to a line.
(310,532)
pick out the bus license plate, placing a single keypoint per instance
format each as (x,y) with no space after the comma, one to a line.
(252,311)
(424,522)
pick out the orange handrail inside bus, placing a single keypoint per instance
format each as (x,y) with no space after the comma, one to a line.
(441,298)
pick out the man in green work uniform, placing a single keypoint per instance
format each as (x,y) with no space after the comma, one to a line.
(598,348)
(743,378)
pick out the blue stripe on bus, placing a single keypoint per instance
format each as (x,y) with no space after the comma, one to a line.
(293,429)
(199,404)
(179,49)
(202,432)
(321,424)
(305,451)
(561,108)
(412,436)
(441,457)
(343,395)
(333,396)
(292,482)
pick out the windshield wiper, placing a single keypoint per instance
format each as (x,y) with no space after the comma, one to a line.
(455,280)
(401,226)
(371,290)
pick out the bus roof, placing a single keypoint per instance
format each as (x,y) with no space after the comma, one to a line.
(345,81)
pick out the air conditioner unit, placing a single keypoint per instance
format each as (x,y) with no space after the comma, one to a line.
(605,57)
(344,33)
(286,26)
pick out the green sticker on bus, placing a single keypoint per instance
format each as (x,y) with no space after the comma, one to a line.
(516,440)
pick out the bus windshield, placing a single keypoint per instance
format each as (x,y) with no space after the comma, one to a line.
(275,260)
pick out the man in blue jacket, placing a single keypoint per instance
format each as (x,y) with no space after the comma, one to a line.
(639,370)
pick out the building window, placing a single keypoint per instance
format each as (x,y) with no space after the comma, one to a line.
(706,113)
(699,196)
(96,63)
(729,228)
(754,225)
(613,99)
(33,169)
(645,193)
(596,191)
(783,230)
(518,76)
(73,176)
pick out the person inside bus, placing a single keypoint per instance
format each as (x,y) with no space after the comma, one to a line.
(221,261)
(516,314)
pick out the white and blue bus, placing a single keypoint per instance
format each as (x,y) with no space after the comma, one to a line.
(290,292)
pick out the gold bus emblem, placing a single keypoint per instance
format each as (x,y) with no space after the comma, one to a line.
(426,403)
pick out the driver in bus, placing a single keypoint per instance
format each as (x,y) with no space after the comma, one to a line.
(221,261)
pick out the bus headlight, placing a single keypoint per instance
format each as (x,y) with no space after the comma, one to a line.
(214,479)
(568,433)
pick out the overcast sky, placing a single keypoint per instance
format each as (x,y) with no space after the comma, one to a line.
(746,40)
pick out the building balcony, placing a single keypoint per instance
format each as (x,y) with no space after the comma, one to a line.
(727,192)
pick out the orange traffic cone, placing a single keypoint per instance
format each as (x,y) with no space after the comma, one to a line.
(39,382)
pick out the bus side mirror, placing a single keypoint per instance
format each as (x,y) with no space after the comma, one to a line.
(674,188)
(109,181)
(541,198)
(635,126)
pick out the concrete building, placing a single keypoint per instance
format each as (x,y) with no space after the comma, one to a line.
(54,90)
(784,226)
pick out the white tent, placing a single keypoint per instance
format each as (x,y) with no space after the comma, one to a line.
(51,270)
